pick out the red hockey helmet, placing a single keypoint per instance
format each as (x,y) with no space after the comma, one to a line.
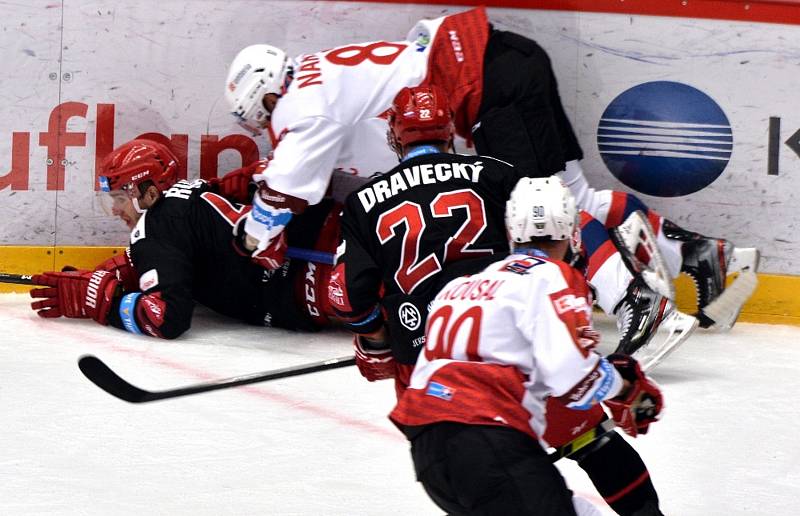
(135,162)
(419,114)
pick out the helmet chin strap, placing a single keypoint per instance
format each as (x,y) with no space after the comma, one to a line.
(136,206)
(288,79)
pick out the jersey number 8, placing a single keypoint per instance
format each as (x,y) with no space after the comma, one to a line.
(354,55)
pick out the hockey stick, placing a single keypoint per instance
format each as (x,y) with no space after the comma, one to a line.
(582,441)
(17,279)
(101,375)
(308,255)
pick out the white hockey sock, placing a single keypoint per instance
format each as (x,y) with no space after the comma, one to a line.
(671,251)
(610,283)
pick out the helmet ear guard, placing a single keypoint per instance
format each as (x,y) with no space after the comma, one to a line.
(419,114)
(542,208)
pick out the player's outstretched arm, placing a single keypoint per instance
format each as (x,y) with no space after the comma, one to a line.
(79,294)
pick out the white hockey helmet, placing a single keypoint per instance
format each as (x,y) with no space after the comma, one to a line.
(256,70)
(541,208)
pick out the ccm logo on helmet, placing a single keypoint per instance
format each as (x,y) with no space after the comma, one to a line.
(140,175)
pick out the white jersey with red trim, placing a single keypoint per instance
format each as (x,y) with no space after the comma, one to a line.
(502,343)
(332,116)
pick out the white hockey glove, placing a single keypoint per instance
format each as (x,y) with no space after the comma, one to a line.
(262,233)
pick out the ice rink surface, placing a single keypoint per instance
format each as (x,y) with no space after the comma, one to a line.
(321,444)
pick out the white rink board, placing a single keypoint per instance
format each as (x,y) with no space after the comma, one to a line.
(160,67)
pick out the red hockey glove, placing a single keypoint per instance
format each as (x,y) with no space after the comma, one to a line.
(78,294)
(374,359)
(122,268)
(640,404)
(237,185)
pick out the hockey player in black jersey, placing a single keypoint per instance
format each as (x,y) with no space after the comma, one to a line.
(180,253)
(402,228)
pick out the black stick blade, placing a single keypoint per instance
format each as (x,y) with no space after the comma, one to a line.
(101,375)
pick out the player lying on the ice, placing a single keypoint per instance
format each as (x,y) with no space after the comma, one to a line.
(405,232)
(180,253)
(324,111)
(509,368)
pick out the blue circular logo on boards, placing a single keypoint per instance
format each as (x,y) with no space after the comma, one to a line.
(665,139)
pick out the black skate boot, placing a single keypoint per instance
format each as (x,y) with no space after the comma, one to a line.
(639,315)
(705,260)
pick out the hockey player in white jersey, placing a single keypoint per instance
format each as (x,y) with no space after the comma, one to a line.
(324,113)
(504,348)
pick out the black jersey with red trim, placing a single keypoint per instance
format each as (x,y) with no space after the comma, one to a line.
(401,230)
(182,249)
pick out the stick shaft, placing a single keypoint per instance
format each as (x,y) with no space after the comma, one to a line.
(17,279)
(104,377)
(310,255)
(585,439)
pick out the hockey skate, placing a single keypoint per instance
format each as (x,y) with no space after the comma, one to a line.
(649,325)
(709,261)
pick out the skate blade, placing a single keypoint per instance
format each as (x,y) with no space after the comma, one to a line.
(673,332)
(726,308)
